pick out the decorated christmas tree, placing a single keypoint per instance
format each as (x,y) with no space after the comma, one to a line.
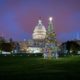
(51,45)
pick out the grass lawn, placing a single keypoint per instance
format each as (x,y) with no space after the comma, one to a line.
(35,68)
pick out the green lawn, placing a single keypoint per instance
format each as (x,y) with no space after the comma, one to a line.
(30,68)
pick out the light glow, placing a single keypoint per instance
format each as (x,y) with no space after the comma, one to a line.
(50,18)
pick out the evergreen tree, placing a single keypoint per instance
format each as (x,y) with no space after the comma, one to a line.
(51,40)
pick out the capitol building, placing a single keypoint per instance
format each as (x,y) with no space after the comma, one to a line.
(39,32)
(42,38)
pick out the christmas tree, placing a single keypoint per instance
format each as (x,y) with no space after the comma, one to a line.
(51,45)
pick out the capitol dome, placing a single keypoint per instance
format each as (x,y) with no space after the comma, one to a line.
(39,31)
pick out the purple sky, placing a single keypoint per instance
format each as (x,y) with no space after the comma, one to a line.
(18,18)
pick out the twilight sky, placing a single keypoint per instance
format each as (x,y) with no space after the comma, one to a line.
(18,18)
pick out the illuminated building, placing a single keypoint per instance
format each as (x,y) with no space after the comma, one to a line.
(34,50)
(39,35)
(39,32)
(42,40)
(38,39)
(23,46)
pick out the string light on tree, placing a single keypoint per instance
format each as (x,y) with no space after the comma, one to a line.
(51,40)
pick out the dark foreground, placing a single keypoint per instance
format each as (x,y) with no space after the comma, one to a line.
(34,68)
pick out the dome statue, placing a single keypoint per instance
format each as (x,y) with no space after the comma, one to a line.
(39,31)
